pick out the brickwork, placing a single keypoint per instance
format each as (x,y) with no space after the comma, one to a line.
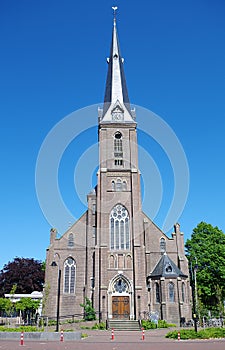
(97,266)
(109,255)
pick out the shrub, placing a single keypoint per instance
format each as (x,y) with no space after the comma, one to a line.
(184,334)
(152,325)
(164,324)
(89,311)
(20,329)
(85,327)
(202,334)
(212,333)
(100,326)
(148,324)
(84,335)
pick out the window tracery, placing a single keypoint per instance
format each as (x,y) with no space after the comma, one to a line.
(121,286)
(119,228)
(69,276)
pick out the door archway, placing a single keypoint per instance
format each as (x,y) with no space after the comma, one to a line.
(120,298)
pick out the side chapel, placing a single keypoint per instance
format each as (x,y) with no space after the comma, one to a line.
(114,254)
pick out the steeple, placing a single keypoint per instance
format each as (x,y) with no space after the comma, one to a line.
(116,101)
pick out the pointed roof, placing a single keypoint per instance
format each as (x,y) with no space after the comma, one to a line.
(166,268)
(116,94)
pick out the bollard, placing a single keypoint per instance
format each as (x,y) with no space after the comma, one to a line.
(112,333)
(21,338)
(61,335)
(143,334)
(178,336)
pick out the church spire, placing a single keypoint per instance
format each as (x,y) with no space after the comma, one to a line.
(116,94)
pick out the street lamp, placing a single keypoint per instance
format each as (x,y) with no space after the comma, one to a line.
(194,292)
(58,290)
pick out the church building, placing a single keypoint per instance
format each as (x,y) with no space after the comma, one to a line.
(114,254)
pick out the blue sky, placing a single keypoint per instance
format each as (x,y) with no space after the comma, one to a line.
(53,62)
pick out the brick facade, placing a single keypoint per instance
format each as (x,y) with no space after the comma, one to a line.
(110,253)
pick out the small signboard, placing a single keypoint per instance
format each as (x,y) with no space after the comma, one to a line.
(154,317)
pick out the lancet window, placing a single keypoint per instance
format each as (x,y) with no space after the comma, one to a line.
(69,276)
(118,149)
(171,292)
(119,228)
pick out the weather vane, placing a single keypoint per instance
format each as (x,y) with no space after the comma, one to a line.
(114,9)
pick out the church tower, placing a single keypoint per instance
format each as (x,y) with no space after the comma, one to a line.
(119,230)
(114,254)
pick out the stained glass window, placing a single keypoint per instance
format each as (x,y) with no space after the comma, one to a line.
(118,149)
(183,292)
(157,293)
(119,228)
(171,292)
(121,286)
(69,276)
(162,245)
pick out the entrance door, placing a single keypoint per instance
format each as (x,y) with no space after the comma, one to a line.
(121,307)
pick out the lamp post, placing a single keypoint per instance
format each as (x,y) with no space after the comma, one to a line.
(58,290)
(194,292)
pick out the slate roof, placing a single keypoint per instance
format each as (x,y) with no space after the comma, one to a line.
(115,83)
(166,268)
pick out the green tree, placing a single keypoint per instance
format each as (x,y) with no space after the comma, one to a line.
(89,311)
(28,308)
(6,307)
(206,253)
(26,274)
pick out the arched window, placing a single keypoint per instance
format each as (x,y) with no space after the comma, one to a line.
(168,268)
(121,286)
(183,292)
(119,228)
(69,276)
(129,262)
(111,262)
(157,293)
(121,261)
(93,208)
(171,292)
(70,240)
(118,149)
(162,245)
(118,185)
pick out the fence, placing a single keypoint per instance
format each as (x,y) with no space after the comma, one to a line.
(46,321)
(204,322)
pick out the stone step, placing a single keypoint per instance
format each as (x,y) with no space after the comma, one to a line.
(121,325)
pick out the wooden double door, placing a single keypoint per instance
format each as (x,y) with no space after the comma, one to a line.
(121,307)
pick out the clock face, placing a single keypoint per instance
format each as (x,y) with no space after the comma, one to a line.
(117,115)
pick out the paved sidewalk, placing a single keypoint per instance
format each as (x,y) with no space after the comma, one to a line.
(123,340)
(152,336)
